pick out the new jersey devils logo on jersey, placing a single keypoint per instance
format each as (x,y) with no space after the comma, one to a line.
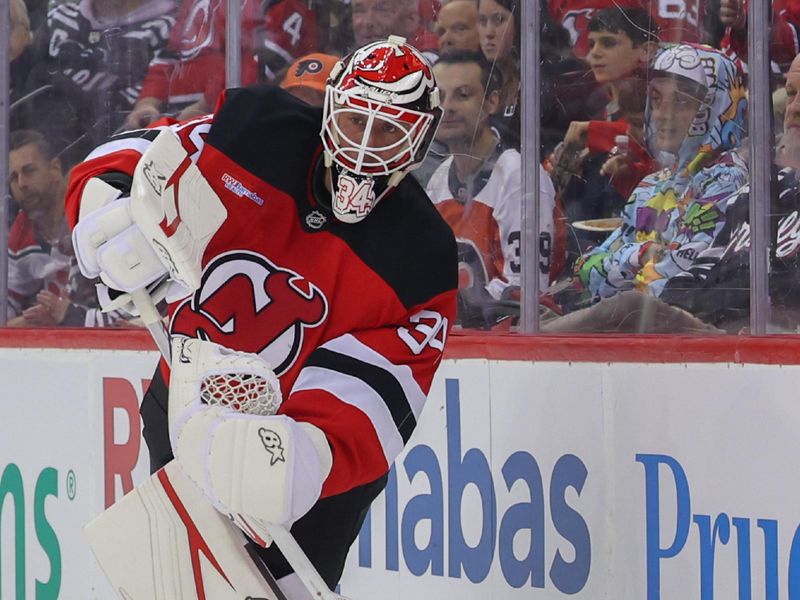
(247,303)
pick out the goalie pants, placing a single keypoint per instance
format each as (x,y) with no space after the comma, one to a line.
(325,533)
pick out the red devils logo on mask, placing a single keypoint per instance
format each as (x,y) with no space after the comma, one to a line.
(247,303)
(393,69)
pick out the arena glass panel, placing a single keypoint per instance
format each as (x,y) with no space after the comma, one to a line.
(193,57)
(782,223)
(82,73)
(642,135)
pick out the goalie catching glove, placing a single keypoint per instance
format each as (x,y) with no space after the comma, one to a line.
(251,463)
(160,231)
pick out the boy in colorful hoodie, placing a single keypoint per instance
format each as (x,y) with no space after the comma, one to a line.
(694,120)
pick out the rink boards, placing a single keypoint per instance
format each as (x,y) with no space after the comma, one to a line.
(525,478)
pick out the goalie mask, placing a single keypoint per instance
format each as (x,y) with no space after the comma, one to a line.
(380,115)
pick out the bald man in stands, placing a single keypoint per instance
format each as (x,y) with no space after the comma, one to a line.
(457,27)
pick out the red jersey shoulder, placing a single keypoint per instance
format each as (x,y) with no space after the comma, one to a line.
(21,235)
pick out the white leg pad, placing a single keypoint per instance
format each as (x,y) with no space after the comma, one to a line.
(164,541)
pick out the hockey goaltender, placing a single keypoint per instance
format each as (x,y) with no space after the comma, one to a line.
(298,264)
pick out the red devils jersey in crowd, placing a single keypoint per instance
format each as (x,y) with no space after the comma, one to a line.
(353,318)
(290,31)
(193,66)
(33,265)
(679,20)
(784,43)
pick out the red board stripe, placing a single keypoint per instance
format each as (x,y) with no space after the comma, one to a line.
(773,350)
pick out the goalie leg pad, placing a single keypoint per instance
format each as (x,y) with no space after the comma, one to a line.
(265,468)
(164,541)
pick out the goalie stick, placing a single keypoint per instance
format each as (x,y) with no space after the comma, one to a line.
(151,204)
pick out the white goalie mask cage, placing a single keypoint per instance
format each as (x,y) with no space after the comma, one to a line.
(380,114)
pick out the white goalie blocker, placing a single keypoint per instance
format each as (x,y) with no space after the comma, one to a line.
(162,229)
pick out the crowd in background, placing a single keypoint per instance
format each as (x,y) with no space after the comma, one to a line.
(643,124)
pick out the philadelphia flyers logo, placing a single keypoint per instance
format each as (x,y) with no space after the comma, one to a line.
(312,66)
(248,303)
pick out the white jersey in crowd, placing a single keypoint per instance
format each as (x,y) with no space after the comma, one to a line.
(486,213)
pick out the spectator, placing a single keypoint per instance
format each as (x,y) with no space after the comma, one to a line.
(39,246)
(695,118)
(477,191)
(185,80)
(783,34)
(94,54)
(457,27)
(717,287)
(306,77)
(378,19)
(622,42)
(373,20)
(45,287)
(499,27)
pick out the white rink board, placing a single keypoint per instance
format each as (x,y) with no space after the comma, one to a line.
(523,480)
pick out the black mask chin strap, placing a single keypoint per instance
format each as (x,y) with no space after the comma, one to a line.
(318,189)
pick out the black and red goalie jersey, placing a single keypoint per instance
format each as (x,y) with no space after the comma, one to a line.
(353,317)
